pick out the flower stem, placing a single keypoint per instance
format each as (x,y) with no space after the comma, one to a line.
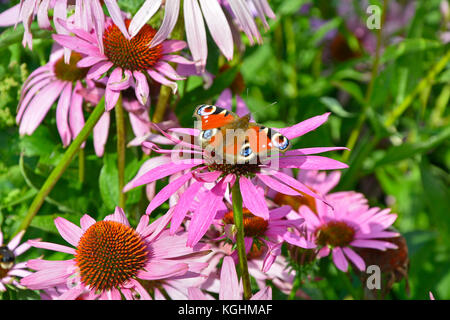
(120,125)
(163,100)
(363,115)
(81,166)
(239,223)
(62,165)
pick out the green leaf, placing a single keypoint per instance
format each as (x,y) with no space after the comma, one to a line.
(109,181)
(408,46)
(335,106)
(408,150)
(350,87)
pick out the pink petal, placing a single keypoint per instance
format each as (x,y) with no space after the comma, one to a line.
(167,191)
(101,134)
(156,270)
(306,151)
(39,106)
(111,96)
(229,288)
(172,9)
(277,185)
(68,231)
(145,12)
(142,89)
(205,212)
(355,258)
(51,246)
(62,114)
(165,69)
(195,32)
(116,16)
(218,26)
(339,259)
(170,46)
(183,205)
(162,171)
(15,241)
(225,99)
(253,200)
(99,69)
(76,116)
(304,126)
(311,163)
(161,79)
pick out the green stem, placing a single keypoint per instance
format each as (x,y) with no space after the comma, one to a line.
(422,85)
(62,165)
(363,115)
(239,223)
(81,165)
(120,125)
(295,287)
(163,100)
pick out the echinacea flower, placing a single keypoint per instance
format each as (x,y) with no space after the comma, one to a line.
(10,269)
(195,12)
(54,81)
(128,60)
(111,258)
(348,225)
(200,171)
(88,15)
(267,236)
(230,286)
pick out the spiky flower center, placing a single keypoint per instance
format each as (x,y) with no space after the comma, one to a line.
(108,254)
(134,54)
(335,234)
(246,170)
(296,201)
(70,72)
(253,226)
(7,259)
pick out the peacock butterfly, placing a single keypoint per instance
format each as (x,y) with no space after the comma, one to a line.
(233,139)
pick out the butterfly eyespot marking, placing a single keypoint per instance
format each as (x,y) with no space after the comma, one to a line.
(207,134)
(246,151)
(280,141)
(206,110)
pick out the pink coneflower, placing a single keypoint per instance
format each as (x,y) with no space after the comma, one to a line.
(351,224)
(110,258)
(9,267)
(195,12)
(230,287)
(54,81)
(129,60)
(88,15)
(201,171)
(268,235)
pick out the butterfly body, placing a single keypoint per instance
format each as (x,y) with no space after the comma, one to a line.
(235,139)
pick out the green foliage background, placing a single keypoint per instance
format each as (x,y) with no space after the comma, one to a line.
(404,166)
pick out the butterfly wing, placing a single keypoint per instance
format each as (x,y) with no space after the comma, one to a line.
(211,119)
(255,144)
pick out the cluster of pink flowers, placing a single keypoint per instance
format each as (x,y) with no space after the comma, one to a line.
(178,254)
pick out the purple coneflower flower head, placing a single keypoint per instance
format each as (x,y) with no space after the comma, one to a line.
(230,286)
(129,60)
(350,224)
(88,15)
(111,258)
(10,269)
(55,81)
(265,237)
(200,172)
(195,13)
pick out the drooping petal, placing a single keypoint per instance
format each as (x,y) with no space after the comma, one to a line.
(229,288)
(112,96)
(167,191)
(172,9)
(76,115)
(101,134)
(62,114)
(145,13)
(195,32)
(355,258)
(218,26)
(116,16)
(142,89)
(183,205)
(253,200)
(339,259)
